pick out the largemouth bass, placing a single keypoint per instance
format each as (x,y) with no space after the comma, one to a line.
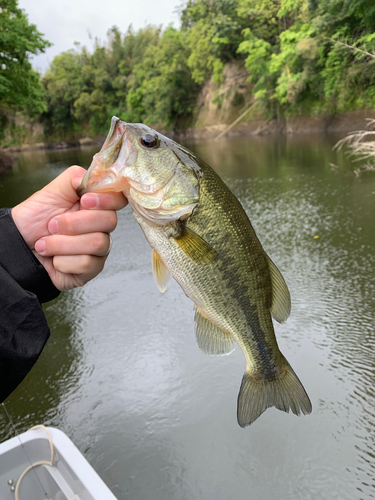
(200,234)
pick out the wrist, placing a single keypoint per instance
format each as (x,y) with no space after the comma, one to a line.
(19,219)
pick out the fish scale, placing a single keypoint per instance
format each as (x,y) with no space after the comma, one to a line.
(201,235)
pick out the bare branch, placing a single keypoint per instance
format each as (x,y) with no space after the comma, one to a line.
(237,120)
(351,47)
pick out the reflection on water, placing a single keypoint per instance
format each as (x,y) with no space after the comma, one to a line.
(122,374)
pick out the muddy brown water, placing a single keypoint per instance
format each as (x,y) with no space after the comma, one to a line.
(123,377)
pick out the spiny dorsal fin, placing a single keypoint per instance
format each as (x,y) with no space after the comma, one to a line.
(211,339)
(160,271)
(194,246)
(281,303)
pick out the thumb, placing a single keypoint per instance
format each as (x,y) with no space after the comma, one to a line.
(67,183)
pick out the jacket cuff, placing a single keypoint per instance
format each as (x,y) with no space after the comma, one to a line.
(20,262)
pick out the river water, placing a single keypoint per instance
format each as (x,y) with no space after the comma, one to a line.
(123,377)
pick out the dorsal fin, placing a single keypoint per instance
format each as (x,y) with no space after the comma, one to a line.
(281,304)
(211,339)
(160,271)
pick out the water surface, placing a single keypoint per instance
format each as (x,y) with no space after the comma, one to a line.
(122,374)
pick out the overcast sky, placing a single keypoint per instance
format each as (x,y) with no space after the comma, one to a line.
(69,21)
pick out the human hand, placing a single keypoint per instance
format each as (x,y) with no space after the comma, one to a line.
(69,235)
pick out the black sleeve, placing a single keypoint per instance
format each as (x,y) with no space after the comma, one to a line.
(24,284)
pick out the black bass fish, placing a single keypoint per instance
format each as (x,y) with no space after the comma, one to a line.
(200,234)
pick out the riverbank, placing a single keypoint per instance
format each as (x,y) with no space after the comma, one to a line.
(343,122)
(8,155)
(86,141)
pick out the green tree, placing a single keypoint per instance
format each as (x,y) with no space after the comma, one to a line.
(162,88)
(20,87)
(84,90)
(66,80)
(135,46)
(295,60)
(213,34)
(302,56)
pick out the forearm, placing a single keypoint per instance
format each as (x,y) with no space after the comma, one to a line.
(19,262)
(23,333)
(24,284)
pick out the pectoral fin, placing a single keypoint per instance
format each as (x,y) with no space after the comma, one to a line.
(160,271)
(211,339)
(194,246)
(281,304)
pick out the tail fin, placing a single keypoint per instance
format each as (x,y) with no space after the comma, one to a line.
(284,392)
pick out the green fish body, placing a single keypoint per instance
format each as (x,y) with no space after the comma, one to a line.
(200,234)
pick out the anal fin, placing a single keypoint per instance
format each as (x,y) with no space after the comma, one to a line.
(281,303)
(211,339)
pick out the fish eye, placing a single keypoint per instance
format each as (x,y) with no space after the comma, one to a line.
(149,141)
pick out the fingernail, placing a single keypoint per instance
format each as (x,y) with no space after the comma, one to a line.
(40,246)
(89,200)
(53,226)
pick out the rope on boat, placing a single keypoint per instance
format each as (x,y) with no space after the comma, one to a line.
(43,462)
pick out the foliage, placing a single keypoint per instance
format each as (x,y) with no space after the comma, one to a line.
(162,88)
(84,90)
(140,76)
(295,62)
(20,88)
(302,56)
(360,147)
(213,34)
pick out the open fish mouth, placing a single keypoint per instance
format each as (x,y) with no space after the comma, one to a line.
(117,153)
(115,166)
(139,162)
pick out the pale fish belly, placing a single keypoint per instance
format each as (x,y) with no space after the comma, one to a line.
(208,287)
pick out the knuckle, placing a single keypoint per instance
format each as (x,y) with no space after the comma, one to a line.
(76,170)
(87,263)
(100,264)
(109,221)
(112,221)
(58,264)
(66,224)
(100,243)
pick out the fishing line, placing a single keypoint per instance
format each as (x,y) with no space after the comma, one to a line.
(42,462)
(31,466)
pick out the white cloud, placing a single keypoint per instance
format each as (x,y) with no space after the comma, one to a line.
(72,20)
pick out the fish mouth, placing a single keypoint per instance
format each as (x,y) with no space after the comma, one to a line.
(117,153)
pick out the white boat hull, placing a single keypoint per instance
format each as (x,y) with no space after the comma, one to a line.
(70,478)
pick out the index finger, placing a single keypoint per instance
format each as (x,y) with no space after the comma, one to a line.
(83,221)
(103,201)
